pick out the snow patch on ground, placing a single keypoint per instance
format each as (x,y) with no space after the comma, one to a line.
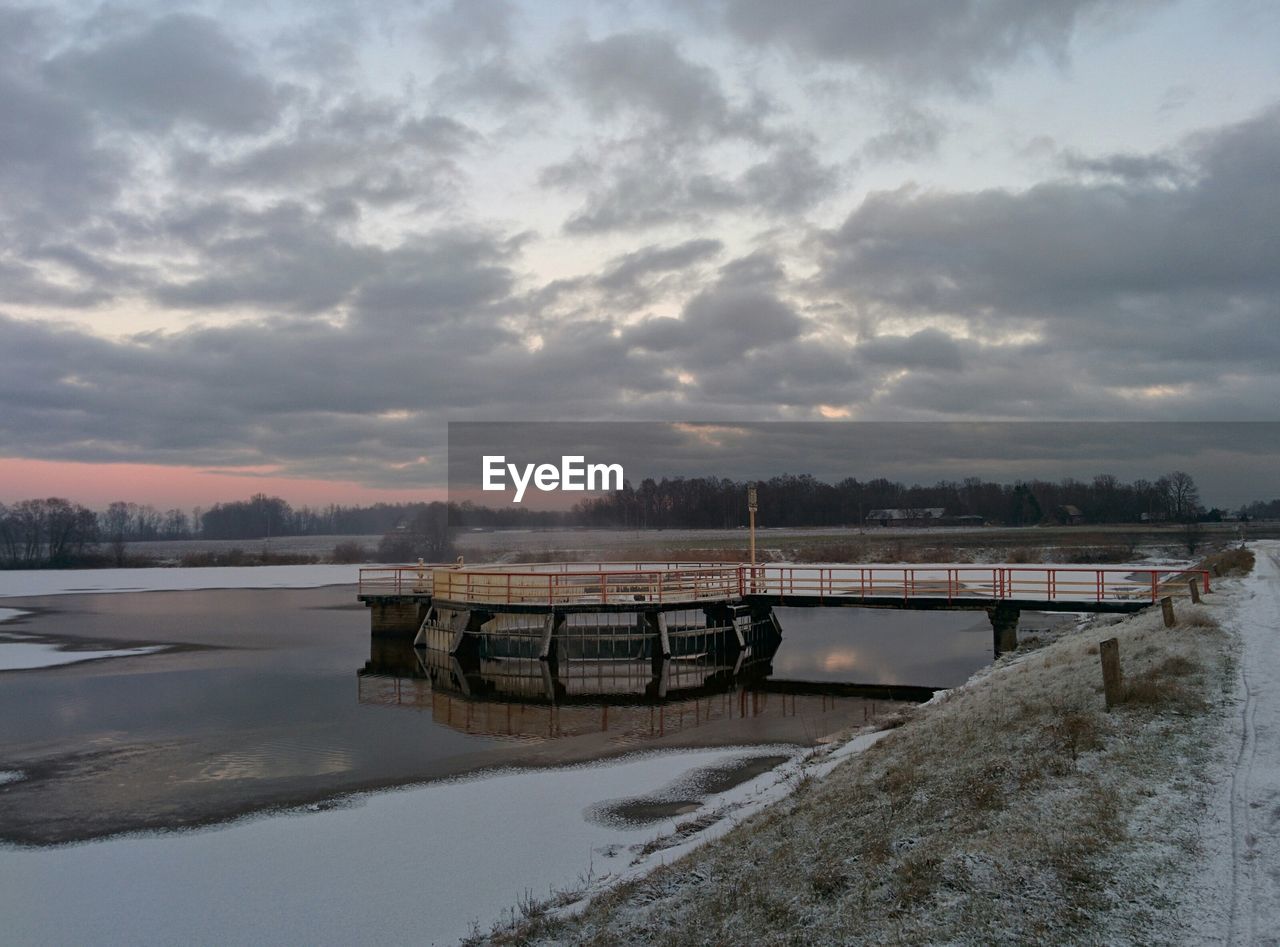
(10,776)
(416,865)
(8,614)
(39,582)
(26,656)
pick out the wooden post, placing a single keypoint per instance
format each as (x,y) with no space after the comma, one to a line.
(1195,591)
(1004,628)
(1112,681)
(1166,606)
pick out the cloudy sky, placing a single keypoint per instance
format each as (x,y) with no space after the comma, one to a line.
(280,245)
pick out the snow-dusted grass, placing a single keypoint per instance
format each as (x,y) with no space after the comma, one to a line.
(37,582)
(411,866)
(1014,809)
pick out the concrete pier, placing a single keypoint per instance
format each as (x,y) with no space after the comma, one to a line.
(396,616)
(1004,628)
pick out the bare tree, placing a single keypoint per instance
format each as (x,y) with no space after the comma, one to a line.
(115,525)
(1183,496)
(46,532)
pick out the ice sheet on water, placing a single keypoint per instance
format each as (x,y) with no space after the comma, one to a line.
(36,582)
(27,655)
(411,865)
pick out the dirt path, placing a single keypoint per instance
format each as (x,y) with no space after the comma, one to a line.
(1255,783)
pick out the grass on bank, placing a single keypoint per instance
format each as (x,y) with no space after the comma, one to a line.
(1013,809)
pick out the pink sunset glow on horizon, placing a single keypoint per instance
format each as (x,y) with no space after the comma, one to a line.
(96,485)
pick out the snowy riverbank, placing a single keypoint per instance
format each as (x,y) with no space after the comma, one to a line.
(1014,809)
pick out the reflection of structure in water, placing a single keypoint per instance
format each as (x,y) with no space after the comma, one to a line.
(440,681)
(602,675)
(602,656)
(629,675)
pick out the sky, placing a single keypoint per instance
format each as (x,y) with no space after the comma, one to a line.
(280,246)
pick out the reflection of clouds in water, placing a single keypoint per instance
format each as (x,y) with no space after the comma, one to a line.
(845,659)
(276,760)
(881,646)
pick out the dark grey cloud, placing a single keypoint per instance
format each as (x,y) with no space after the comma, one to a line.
(24,284)
(281,258)
(952,46)
(624,272)
(913,133)
(467,26)
(355,153)
(792,374)
(720,323)
(496,83)
(1128,168)
(648,193)
(928,349)
(643,76)
(1109,295)
(478,38)
(181,68)
(338,401)
(646,187)
(1064,250)
(789,181)
(287,259)
(53,170)
(445,275)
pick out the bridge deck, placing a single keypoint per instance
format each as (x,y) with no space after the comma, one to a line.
(670,585)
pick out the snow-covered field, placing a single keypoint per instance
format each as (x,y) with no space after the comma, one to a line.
(409,866)
(37,582)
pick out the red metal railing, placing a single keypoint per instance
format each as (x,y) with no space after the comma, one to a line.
(618,583)
(1043,583)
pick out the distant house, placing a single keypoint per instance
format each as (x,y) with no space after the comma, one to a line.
(925,516)
(1068,515)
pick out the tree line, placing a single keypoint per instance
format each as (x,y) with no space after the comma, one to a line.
(57,532)
(803,500)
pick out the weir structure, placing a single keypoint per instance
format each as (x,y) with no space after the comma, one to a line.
(626,611)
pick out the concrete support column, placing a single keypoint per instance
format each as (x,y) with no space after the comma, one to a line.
(551,627)
(396,619)
(467,627)
(653,624)
(724,618)
(1004,628)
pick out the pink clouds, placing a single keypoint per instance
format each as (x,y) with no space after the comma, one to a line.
(164,486)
